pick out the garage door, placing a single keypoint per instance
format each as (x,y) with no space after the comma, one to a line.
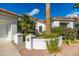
(3,32)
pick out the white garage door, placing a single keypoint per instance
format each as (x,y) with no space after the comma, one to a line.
(3,32)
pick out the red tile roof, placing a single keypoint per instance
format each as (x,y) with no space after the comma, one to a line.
(12,13)
(6,11)
(38,20)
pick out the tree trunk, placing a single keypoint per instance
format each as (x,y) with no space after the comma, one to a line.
(48,24)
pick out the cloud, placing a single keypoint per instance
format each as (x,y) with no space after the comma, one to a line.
(75,14)
(33,12)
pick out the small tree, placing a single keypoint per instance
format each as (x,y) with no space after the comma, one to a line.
(52,46)
(26,25)
(52,42)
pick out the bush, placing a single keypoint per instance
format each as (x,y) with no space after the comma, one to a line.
(47,35)
(69,35)
(52,46)
(57,30)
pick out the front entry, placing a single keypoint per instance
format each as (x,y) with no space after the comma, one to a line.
(3,32)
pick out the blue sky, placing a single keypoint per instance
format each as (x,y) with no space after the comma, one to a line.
(57,9)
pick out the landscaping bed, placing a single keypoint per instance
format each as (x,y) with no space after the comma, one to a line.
(66,50)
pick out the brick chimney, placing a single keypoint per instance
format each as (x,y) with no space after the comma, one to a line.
(48,24)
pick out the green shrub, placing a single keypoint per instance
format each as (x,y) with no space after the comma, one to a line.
(57,30)
(69,35)
(52,46)
(47,35)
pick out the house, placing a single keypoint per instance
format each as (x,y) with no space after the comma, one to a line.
(8,25)
(40,25)
(64,22)
(69,22)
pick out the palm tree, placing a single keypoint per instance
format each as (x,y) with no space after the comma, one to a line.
(26,25)
(75,6)
(48,27)
(23,23)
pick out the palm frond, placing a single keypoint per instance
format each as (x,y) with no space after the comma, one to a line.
(76,5)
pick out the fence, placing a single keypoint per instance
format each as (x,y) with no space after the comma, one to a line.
(35,43)
(32,42)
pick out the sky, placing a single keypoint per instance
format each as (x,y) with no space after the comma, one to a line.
(37,10)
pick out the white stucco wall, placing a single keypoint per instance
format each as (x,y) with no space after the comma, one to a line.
(55,24)
(28,44)
(35,43)
(39,44)
(13,30)
(70,25)
(41,24)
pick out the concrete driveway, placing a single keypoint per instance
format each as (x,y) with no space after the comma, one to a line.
(8,49)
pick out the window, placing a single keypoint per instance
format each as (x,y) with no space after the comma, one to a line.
(40,29)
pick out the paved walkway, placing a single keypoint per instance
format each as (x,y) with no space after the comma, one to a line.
(8,49)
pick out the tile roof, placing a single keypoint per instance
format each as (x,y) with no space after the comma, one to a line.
(64,19)
(12,13)
(6,11)
(39,20)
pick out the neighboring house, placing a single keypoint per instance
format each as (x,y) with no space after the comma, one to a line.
(64,22)
(40,26)
(58,21)
(8,25)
